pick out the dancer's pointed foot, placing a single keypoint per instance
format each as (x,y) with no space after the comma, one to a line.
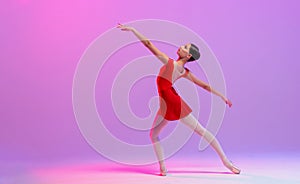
(234,169)
(163,171)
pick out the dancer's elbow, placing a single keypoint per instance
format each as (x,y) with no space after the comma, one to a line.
(147,43)
(207,87)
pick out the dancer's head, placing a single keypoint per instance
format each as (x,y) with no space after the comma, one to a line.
(189,51)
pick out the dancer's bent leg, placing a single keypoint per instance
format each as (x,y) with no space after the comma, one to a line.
(158,124)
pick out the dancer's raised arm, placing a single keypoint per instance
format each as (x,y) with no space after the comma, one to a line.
(160,55)
(205,86)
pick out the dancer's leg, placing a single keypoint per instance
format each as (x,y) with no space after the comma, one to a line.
(158,124)
(193,123)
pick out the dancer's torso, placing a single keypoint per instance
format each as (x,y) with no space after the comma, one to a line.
(168,74)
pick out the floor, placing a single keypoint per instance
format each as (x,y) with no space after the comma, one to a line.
(281,169)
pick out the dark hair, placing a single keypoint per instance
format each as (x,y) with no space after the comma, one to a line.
(194,50)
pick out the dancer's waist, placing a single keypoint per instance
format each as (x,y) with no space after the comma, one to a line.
(163,84)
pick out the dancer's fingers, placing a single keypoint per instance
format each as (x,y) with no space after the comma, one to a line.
(229,103)
(120,25)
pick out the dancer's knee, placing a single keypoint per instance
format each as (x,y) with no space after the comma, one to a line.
(201,130)
(154,136)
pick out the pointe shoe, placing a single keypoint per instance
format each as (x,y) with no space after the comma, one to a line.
(232,167)
(163,172)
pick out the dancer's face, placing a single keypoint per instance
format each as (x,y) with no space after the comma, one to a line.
(183,51)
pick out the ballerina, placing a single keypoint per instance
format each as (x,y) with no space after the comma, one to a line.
(172,106)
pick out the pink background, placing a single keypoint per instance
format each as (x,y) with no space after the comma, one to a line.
(42,42)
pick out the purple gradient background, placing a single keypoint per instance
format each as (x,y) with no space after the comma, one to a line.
(42,42)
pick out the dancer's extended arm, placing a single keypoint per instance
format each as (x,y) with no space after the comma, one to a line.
(205,86)
(160,55)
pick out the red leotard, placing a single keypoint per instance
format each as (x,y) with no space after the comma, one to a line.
(172,107)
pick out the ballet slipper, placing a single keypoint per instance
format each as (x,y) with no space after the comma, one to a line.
(163,172)
(234,169)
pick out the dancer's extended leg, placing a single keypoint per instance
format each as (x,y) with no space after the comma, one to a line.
(158,124)
(193,123)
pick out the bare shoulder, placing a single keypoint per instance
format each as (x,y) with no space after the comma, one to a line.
(188,74)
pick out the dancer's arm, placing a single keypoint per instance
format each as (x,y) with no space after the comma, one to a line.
(160,55)
(205,86)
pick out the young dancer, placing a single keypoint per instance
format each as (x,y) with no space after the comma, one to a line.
(172,107)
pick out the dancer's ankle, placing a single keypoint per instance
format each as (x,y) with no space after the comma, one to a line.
(225,160)
(163,171)
(162,166)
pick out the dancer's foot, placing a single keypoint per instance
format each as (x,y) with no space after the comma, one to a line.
(232,167)
(163,171)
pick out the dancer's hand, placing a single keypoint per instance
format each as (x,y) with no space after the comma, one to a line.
(125,28)
(227,101)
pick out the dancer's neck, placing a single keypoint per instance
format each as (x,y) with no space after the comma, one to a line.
(181,62)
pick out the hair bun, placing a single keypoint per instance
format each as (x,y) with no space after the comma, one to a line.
(194,50)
